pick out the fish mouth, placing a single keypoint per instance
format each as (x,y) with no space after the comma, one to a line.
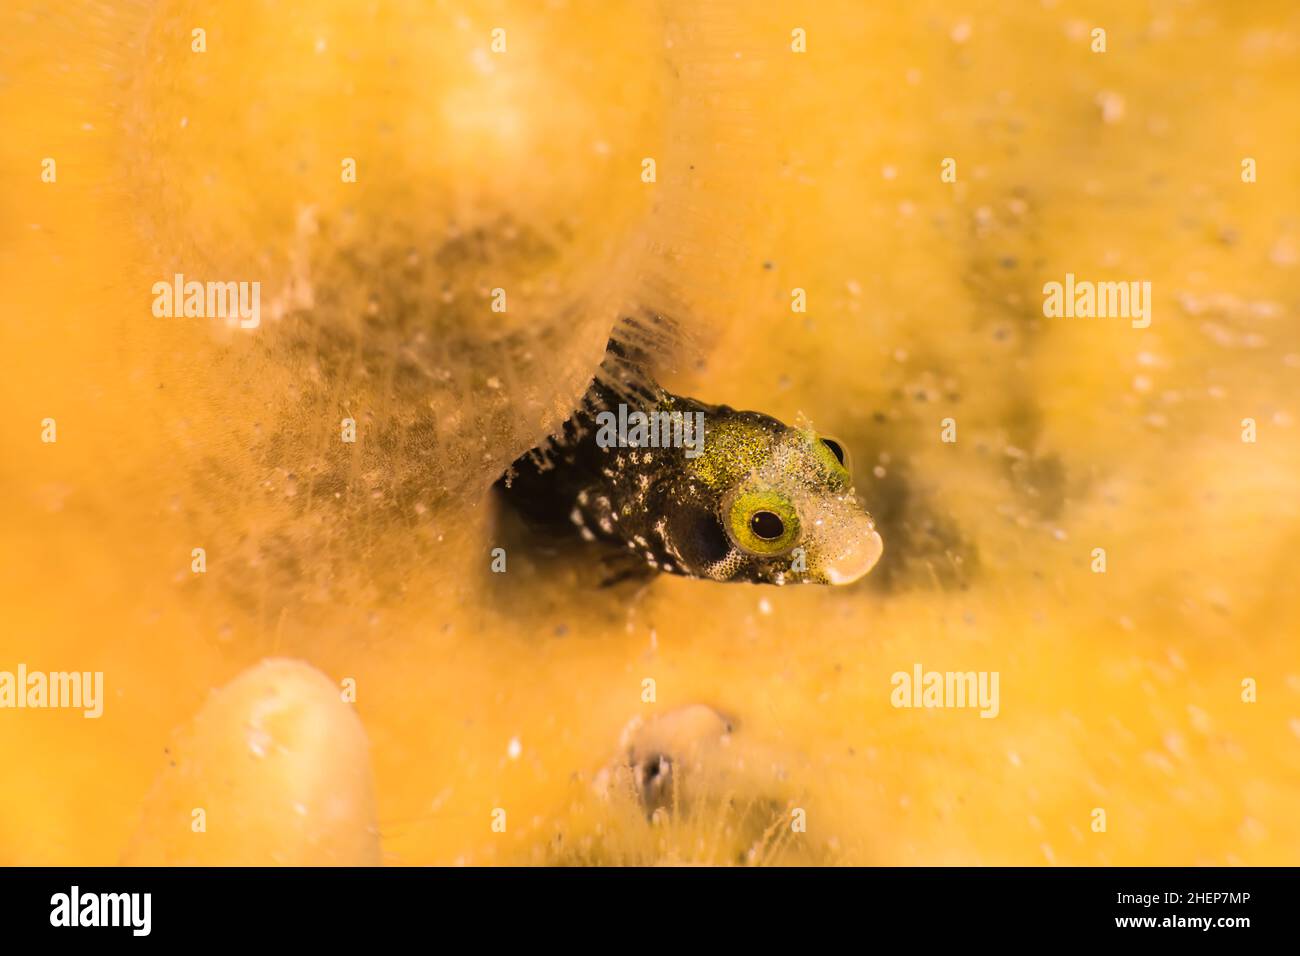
(856,557)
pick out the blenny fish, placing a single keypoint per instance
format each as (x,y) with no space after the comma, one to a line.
(751,499)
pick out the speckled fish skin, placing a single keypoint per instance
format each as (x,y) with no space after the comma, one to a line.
(698,512)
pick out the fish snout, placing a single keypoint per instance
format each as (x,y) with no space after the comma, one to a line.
(854,554)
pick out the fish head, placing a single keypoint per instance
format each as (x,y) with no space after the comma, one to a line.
(768,503)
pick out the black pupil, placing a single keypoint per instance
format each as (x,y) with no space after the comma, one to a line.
(835,448)
(767,525)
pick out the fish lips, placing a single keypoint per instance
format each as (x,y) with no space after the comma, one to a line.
(849,545)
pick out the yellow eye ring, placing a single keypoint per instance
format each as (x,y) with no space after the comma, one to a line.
(763,523)
(834,458)
(837,449)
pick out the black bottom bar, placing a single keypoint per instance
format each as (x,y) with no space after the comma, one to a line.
(303,906)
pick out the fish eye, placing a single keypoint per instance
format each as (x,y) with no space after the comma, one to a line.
(762,522)
(836,449)
(767,525)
